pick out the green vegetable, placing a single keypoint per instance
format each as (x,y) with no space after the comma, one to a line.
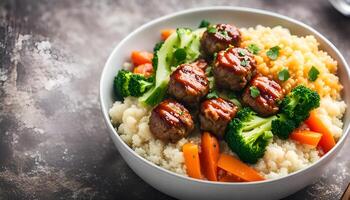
(212,94)
(166,59)
(121,83)
(273,52)
(204,24)
(313,73)
(211,29)
(127,83)
(241,53)
(254,49)
(139,84)
(283,75)
(254,91)
(244,63)
(294,109)
(155,57)
(248,135)
(180,54)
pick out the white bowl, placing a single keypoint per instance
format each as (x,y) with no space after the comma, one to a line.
(188,188)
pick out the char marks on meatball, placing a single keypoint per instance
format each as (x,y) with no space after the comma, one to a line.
(233,68)
(219,37)
(215,114)
(264,100)
(188,84)
(170,121)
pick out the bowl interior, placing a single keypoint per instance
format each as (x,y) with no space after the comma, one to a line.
(147,35)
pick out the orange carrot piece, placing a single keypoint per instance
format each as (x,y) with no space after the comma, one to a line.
(144,69)
(191,155)
(141,57)
(210,154)
(165,33)
(316,124)
(238,168)
(230,178)
(306,137)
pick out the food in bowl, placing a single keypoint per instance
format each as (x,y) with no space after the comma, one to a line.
(230,104)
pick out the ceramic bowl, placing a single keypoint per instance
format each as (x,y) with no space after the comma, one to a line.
(182,187)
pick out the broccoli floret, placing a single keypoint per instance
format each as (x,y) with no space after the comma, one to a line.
(164,59)
(295,108)
(248,135)
(121,83)
(283,126)
(299,102)
(139,84)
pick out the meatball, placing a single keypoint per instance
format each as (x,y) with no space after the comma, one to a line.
(233,68)
(215,114)
(170,121)
(264,100)
(188,84)
(201,63)
(218,38)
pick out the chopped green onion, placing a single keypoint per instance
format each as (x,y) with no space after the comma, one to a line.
(254,91)
(244,63)
(241,53)
(313,73)
(254,49)
(283,75)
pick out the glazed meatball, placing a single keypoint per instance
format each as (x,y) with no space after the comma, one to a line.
(264,100)
(170,121)
(218,38)
(201,63)
(188,84)
(215,114)
(233,68)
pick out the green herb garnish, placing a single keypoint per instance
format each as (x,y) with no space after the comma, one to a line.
(244,63)
(283,75)
(204,23)
(211,29)
(241,53)
(313,73)
(273,52)
(254,91)
(212,94)
(254,49)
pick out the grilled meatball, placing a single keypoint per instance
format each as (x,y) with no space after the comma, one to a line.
(233,68)
(188,84)
(216,40)
(215,114)
(170,121)
(201,63)
(266,101)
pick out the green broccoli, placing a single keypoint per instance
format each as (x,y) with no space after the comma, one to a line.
(248,135)
(299,102)
(139,84)
(294,109)
(184,39)
(283,126)
(121,83)
(155,57)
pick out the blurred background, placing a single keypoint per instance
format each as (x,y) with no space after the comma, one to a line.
(53,140)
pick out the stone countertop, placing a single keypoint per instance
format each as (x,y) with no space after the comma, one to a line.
(53,140)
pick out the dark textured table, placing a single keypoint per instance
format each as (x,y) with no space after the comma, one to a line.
(53,141)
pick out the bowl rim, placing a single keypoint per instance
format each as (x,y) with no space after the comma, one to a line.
(105,113)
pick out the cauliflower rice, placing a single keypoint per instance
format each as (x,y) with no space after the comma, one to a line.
(298,55)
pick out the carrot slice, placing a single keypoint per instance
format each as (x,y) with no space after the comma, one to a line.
(316,124)
(238,168)
(230,178)
(141,57)
(165,33)
(306,137)
(210,154)
(144,69)
(191,155)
